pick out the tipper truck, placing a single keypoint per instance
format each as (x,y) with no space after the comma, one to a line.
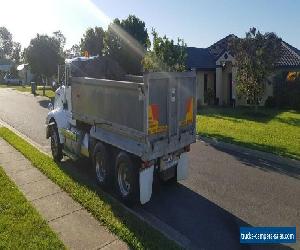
(134,130)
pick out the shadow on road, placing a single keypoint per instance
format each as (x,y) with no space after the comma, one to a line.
(44,103)
(205,224)
(256,146)
(264,165)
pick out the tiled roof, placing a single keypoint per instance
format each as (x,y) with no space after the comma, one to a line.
(290,56)
(205,58)
(200,58)
(218,48)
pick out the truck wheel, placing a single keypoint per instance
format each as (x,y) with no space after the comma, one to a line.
(127,179)
(100,164)
(56,147)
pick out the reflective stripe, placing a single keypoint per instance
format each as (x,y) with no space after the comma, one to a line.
(189,116)
(153,120)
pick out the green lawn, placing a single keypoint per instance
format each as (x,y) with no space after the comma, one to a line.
(48,92)
(270,130)
(135,232)
(21,227)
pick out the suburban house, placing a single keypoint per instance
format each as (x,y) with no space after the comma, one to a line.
(24,73)
(5,65)
(216,71)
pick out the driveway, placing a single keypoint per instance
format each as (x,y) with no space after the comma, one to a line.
(225,189)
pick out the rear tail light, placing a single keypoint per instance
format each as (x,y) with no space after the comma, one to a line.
(147,164)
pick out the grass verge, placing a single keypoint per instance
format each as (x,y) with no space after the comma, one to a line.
(136,233)
(270,130)
(48,91)
(21,227)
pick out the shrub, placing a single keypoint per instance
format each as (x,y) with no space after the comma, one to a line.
(209,96)
(287,95)
(270,102)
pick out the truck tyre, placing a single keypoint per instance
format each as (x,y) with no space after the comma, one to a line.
(100,165)
(127,178)
(56,147)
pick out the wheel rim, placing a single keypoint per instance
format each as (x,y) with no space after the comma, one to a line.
(54,144)
(123,179)
(100,169)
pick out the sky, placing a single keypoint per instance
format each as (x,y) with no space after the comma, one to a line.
(199,22)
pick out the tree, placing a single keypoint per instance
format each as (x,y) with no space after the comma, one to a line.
(165,55)
(6,43)
(16,52)
(43,55)
(137,29)
(73,51)
(61,39)
(59,36)
(126,42)
(93,41)
(112,40)
(256,56)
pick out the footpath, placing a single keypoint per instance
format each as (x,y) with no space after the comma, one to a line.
(74,225)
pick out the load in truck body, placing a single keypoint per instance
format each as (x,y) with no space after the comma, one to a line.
(133,131)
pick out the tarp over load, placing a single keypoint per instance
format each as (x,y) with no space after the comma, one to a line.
(101,67)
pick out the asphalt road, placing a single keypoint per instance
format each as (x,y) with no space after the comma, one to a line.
(225,189)
(25,113)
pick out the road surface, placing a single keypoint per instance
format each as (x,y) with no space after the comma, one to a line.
(225,189)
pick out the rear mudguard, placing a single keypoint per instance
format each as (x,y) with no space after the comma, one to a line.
(146,180)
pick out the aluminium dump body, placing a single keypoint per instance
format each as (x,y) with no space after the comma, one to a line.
(148,119)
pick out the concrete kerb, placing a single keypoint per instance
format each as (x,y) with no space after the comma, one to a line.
(26,138)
